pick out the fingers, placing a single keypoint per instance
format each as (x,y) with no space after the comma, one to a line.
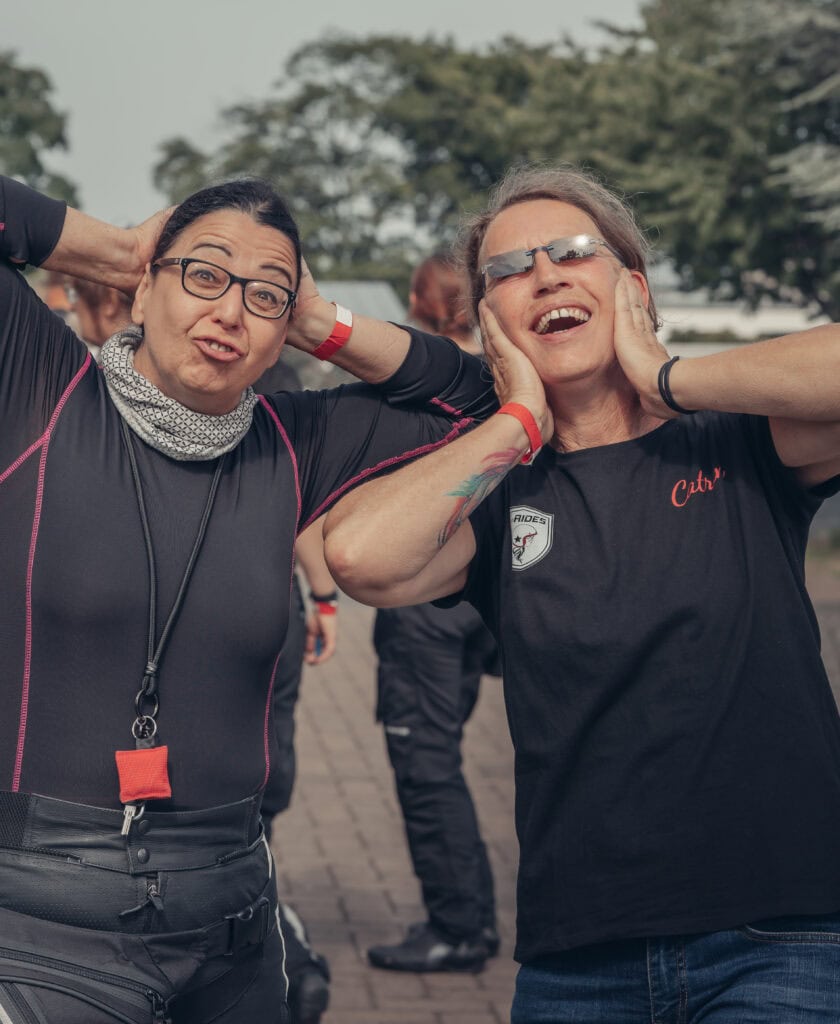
(307,289)
(640,353)
(321,639)
(631,303)
(493,338)
(514,375)
(329,636)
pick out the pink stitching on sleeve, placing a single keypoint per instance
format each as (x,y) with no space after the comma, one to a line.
(44,444)
(19,461)
(282,430)
(445,406)
(457,428)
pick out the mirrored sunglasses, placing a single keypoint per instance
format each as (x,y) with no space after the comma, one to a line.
(561,250)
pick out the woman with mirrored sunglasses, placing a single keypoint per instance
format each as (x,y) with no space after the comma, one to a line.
(677,742)
(149,512)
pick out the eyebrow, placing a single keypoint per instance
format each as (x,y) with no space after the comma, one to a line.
(263,266)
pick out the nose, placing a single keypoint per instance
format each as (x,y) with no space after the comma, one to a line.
(548,275)
(230,307)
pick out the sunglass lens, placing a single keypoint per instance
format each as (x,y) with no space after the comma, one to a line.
(577,248)
(509,263)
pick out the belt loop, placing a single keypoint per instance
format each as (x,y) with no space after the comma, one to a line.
(249,927)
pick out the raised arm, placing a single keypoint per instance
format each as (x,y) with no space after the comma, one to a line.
(44,232)
(374,350)
(406,538)
(794,381)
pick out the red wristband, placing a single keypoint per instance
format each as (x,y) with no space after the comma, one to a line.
(528,421)
(340,333)
(326,607)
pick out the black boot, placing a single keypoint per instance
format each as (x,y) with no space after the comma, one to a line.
(423,949)
(490,938)
(309,992)
(308,971)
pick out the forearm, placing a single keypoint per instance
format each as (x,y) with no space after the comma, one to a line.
(388,531)
(91,249)
(310,557)
(796,377)
(374,351)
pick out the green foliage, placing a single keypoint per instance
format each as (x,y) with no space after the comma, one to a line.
(718,118)
(381,144)
(29,127)
(714,102)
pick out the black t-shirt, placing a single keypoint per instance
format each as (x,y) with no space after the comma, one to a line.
(677,742)
(74,581)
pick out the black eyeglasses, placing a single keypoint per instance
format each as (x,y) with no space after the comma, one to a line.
(207,281)
(561,250)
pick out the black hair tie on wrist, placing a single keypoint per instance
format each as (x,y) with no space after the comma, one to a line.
(665,389)
(331,598)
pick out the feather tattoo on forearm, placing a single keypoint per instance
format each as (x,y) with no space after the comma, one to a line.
(472,491)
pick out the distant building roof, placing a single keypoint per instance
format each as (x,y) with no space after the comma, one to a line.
(697,312)
(367,298)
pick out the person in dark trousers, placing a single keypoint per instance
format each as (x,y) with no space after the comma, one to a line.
(431,661)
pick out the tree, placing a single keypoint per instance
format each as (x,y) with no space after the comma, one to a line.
(380,144)
(719,118)
(720,100)
(29,127)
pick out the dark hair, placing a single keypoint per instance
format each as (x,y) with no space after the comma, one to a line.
(566,184)
(253,196)
(439,295)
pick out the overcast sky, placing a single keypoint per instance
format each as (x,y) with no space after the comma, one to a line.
(132,74)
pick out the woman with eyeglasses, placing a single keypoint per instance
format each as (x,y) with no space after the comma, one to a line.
(149,512)
(677,742)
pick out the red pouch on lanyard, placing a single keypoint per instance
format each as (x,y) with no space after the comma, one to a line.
(144,774)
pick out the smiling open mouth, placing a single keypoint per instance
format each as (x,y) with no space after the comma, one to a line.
(561,319)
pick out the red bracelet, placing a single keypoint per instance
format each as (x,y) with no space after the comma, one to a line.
(528,421)
(340,333)
(327,607)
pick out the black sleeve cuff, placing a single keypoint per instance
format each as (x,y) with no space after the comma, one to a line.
(436,371)
(30,223)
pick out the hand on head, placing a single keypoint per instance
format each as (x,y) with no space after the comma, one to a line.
(313,315)
(515,378)
(639,352)
(145,236)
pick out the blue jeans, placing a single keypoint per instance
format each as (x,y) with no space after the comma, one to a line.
(781,971)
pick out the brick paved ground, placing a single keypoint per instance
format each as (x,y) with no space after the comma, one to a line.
(341,854)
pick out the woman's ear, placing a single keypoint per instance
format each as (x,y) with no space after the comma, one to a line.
(641,283)
(139,305)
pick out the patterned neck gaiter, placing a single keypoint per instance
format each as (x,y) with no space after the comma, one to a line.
(162,422)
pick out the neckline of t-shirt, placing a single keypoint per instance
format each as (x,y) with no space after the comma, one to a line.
(630,442)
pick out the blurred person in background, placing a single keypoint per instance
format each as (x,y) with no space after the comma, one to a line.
(430,665)
(97,311)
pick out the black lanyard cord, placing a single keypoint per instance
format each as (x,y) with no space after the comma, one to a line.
(148,688)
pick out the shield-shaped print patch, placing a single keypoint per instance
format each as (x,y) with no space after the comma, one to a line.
(531,534)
